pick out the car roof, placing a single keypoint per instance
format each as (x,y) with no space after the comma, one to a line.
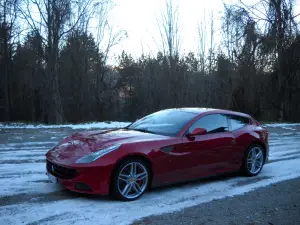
(197,110)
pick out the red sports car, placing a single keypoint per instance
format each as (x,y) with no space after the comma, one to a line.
(165,147)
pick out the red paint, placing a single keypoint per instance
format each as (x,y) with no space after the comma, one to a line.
(191,156)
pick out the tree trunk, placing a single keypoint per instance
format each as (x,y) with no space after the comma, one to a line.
(7,103)
(281,111)
(58,109)
(55,110)
(279,49)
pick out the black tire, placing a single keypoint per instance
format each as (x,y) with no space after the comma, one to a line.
(115,190)
(245,169)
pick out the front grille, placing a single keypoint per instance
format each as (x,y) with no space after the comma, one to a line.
(60,172)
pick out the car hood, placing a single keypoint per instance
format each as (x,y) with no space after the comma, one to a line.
(79,144)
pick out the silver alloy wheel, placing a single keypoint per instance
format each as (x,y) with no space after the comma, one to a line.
(255,160)
(132,180)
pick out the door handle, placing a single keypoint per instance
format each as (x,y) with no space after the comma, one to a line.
(233,142)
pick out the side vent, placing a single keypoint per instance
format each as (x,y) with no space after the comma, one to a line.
(167,149)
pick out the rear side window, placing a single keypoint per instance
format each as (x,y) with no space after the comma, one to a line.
(214,123)
(238,122)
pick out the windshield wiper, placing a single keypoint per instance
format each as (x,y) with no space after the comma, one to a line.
(143,130)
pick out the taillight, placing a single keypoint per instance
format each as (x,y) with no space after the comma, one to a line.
(264,135)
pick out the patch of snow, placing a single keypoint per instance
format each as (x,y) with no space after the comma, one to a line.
(286,134)
(23,152)
(27,184)
(24,167)
(21,145)
(95,125)
(52,132)
(288,128)
(280,124)
(283,143)
(103,125)
(295,154)
(21,177)
(29,187)
(18,138)
(20,148)
(17,157)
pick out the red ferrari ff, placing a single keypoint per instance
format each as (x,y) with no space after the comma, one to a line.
(165,147)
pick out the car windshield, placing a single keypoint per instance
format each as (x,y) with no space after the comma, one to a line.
(165,122)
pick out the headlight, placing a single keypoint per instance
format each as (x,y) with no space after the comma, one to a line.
(96,155)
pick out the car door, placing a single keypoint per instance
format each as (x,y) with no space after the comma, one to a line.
(209,153)
(240,128)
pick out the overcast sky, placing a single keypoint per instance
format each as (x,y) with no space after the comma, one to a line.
(139,19)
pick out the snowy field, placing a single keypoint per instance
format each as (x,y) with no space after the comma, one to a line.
(27,197)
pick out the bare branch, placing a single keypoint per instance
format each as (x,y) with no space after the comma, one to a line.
(169,30)
(40,10)
(81,14)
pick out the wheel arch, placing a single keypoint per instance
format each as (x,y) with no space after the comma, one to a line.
(260,143)
(142,157)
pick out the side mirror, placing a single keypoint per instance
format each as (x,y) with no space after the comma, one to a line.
(197,131)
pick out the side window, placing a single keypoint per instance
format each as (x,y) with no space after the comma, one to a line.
(237,122)
(214,123)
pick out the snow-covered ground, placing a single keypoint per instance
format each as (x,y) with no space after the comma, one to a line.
(94,125)
(26,195)
(281,125)
(107,125)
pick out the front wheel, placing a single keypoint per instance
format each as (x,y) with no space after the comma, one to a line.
(130,180)
(253,160)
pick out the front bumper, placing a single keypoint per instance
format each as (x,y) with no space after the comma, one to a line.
(91,180)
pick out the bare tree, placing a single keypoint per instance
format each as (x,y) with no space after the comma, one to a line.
(169,30)
(170,41)
(233,26)
(202,41)
(211,49)
(8,16)
(281,27)
(53,22)
(206,33)
(278,19)
(106,38)
(106,35)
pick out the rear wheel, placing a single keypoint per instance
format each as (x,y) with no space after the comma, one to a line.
(253,160)
(130,180)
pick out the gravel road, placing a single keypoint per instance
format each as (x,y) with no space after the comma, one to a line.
(277,204)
